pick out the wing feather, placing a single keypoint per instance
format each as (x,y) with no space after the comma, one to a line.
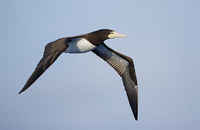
(51,53)
(125,68)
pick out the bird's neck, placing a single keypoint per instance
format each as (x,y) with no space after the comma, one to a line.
(95,39)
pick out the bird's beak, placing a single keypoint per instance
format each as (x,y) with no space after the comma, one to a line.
(116,35)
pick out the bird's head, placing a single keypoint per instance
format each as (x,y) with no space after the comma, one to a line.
(101,35)
(109,34)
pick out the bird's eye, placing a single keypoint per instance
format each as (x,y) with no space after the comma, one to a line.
(112,33)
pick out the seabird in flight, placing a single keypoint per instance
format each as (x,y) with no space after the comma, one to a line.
(94,42)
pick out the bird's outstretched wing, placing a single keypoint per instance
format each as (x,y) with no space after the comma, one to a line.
(51,53)
(125,68)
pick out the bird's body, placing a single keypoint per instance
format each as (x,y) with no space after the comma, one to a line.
(94,42)
(79,45)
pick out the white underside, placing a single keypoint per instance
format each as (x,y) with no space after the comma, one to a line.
(79,45)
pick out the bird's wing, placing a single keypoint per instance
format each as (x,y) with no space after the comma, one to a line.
(125,68)
(51,53)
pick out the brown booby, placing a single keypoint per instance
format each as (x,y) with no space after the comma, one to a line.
(94,42)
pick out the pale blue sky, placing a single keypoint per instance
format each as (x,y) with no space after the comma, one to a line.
(164,42)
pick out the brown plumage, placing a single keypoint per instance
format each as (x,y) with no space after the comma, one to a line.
(51,53)
(94,42)
(125,68)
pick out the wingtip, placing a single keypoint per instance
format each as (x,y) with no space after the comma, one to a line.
(21,91)
(136,116)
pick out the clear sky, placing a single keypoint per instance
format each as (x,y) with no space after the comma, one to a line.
(82,92)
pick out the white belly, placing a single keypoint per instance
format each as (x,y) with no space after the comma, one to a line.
(79,45)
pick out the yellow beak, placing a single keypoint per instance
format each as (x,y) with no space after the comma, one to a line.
(116,35)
